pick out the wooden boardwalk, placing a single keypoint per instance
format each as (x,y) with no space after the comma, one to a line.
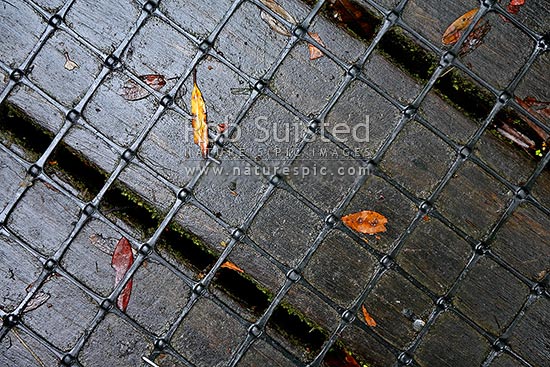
(242,259)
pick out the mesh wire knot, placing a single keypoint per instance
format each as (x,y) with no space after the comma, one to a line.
(150,6)
(521,193)
(11,320)
(55,21)
(293,275)
(67,360)
(348,316)
(160,344)
(404,359)
(106,304)
(112,62)
(299,31)
(128,155)
(73,116)
(35,170)
(255,330)
(17,74)
(50,264)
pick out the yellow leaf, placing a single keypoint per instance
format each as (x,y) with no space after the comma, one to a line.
(199,122)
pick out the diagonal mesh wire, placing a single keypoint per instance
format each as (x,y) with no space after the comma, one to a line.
(442,303)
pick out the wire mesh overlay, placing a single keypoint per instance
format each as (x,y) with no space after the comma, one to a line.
(442,303)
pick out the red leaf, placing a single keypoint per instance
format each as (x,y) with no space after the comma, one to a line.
(514,6)
(132,91)
(122,260)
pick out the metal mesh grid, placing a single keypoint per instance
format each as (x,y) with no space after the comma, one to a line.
(252,332)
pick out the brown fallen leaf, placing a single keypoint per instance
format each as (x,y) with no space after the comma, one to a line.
(368,318)
(366,222)
(122,260)
(454,31)
(132,91)
(199,121)
(515,136)
(314,52)
(232,266)
(69,64)
(274,23)
(475,38)
(540,110)
(38,300)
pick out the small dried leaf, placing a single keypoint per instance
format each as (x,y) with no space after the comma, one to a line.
(69,64)
(475,38)
(514,6)
(199,121)
(122,260)
(454,31)
(540,110)
(132,91)
(222,127)
(314,52)
(368,318)
(515,136)
(38,300)
(230,265)
(366,222)
(274,23)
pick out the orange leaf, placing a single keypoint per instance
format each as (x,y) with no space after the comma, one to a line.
(314,52)
(454,31)
(199,122)
(368,318)
(230,265)
(366,222)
